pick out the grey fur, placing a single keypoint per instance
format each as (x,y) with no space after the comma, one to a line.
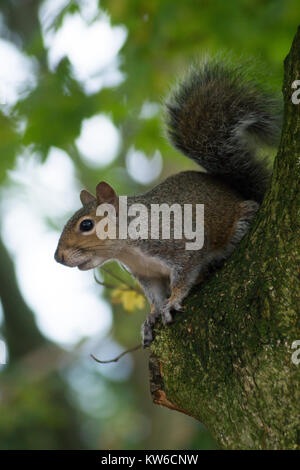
(212,117)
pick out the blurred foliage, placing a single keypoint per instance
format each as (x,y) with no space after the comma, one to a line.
(123,291)
(129,298)
(164,37)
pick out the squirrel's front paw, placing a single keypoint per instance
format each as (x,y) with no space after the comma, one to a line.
(147,330)
(166,314)
(178,307)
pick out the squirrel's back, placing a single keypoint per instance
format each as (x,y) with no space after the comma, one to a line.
(212,117)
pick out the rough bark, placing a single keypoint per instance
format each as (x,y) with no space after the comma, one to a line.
(227,360)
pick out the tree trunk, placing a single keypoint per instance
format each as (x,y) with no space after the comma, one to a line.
(227,360)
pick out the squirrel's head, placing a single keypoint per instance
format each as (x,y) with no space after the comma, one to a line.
(79,244)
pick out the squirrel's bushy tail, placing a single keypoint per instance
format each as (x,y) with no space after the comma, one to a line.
(212,117)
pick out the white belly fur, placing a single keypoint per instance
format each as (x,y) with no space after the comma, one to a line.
(143,265)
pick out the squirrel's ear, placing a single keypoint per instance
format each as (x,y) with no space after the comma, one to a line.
(86,197)
(106,194)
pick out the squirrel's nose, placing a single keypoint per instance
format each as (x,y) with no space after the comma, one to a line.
(59,256)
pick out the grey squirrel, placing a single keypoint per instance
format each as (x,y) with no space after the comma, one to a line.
(216,117)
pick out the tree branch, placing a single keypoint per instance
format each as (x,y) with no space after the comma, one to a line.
(227,360)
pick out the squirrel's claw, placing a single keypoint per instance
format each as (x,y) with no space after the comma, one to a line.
(147,330)
(166,314)
(149,323)
(178,307)
(147,334)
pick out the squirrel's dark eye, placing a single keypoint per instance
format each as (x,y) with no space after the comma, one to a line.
(86,225)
